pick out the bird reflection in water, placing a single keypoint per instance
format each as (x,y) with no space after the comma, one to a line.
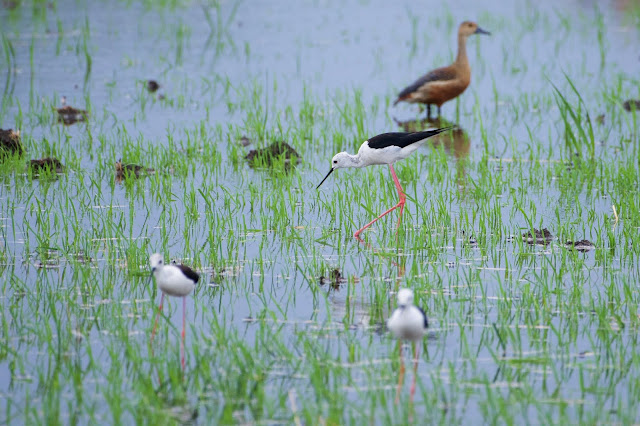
(455,143)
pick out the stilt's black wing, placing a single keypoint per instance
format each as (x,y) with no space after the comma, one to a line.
(402,139)
(189,273)
(426,321)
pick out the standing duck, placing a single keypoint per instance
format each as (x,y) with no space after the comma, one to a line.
(446,83)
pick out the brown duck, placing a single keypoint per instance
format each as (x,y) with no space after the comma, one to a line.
(446,83)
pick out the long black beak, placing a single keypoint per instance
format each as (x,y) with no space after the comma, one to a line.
(151,277)
(325,178)
(481,31)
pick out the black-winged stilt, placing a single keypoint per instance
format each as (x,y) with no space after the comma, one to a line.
(408,322)
(386,148)
(174,280)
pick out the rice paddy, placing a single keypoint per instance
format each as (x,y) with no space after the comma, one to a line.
(287,322)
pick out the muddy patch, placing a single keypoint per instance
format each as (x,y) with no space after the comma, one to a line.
(272,153)
(582,245)
(69,115)
(125,170)
(334,279)
(244,141)
(10,142)
(46,165)
(152,86)
(631,105)
(538,237)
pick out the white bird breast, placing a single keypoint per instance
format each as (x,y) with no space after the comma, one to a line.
(407,323)
(173,282)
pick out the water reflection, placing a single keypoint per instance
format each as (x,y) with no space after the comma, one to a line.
(455,143)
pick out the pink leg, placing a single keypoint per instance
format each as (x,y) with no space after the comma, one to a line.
(184,310)
(415,370)
(155,325)
(403,198)
(400,204)
(400,374)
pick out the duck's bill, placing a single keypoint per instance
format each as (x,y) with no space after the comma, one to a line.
(481,31)
(325,178)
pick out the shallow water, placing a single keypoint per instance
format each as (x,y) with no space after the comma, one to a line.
(518,332)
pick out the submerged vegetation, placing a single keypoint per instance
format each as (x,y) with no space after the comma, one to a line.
(286,324)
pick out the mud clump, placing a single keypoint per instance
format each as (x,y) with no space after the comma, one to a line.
(152,86)
(582,245)
(130,170)
(631,104)
(267,156)
(69,115)
(48,164)
(10,142)
(335,279)
(538,237)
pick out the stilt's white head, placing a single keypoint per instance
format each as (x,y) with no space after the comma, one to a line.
(155,260)
(405,297)
(339,161)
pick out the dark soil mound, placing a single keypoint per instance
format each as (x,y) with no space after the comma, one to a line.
(582,245)
(631,104)
(10,142)
(70,115)
(152,86)
(266,156)
(46,164)
(540,237)
(133,170)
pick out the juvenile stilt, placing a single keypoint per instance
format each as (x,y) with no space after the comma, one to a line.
(174,280)
(408,322)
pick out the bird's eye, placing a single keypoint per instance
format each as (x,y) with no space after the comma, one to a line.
(160,262)
(335,161)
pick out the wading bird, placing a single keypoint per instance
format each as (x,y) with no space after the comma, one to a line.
(408,322)
(174,280)
(386,148)
(446,83)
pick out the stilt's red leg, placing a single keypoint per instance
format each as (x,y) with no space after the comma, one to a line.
(401,195)
(415,370)
(184,310)
(401,374)
(155,325)
(400,204)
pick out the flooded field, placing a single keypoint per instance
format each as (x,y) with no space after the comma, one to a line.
(133,125)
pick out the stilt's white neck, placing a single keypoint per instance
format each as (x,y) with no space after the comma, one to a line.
(355,161)
(346,160)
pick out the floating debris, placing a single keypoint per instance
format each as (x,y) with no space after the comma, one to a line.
(266,156)
(132,170)
(600,119)
(70,115)
(10,142)
(540,237)
(335,279)
(582,245)
(244,141)
(631,104)
(152,86)
(49,164)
